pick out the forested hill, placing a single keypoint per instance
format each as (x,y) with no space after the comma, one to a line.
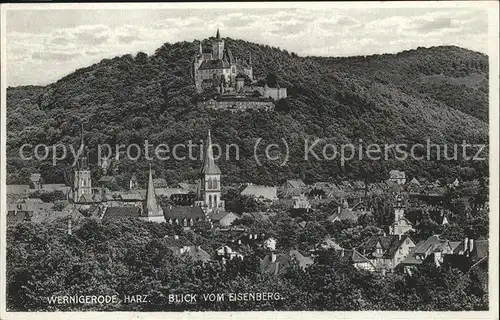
(437,93)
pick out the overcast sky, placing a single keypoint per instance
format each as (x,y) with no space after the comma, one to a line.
(45,45)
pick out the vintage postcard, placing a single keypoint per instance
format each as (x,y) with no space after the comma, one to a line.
(208,160)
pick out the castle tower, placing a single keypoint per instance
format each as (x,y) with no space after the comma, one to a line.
(82,182)
(217,47)
(210,190)
(151,211)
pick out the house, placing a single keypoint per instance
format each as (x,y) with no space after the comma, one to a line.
(433,247)
(277,263)
(226,253)
(185,216)
(397,176)
(358,260)
(222,218)
(106,181)
(184,249)
(260,192)
(300,202)
(469,254)
(387,251)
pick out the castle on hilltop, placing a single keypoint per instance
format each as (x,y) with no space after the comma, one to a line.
(218,67)
(233,80)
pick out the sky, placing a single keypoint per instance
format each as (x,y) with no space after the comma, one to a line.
(42,46)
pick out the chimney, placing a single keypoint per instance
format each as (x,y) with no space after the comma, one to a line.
(273,257)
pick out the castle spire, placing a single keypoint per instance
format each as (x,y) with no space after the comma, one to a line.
(150,208)
(217,36)
(209,166)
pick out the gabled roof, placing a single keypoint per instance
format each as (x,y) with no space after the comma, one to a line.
(122,212)
(219,215)
(183,212)
(390,244)
(345,214)
(105,179)
(295,183)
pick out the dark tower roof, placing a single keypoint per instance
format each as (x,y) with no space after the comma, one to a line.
(83,163)
(217,36)
(209,166)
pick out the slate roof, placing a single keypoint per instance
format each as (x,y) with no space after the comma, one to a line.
(105,179)
(219,215)
(122,212)
(183,212)
(480,249)
(214,64)
(345,214)
(295,183)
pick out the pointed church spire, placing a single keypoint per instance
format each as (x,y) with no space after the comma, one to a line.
(209,166)
(82,160)
(201,49)
(217,36)
(150,208)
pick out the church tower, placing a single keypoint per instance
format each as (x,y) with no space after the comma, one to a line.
(151,211)
(210,189)
(82,182)
(217,47)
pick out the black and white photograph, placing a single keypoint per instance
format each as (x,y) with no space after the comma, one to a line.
(190,158)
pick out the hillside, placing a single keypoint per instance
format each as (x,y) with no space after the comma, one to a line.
(437,93)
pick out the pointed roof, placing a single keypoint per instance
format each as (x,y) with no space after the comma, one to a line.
(151,208)
(209,166)
(217,36)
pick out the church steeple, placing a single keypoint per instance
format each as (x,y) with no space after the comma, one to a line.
(210,188)
(217,36)
(82,163)
(82,182)
(150,206)
(209,166)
